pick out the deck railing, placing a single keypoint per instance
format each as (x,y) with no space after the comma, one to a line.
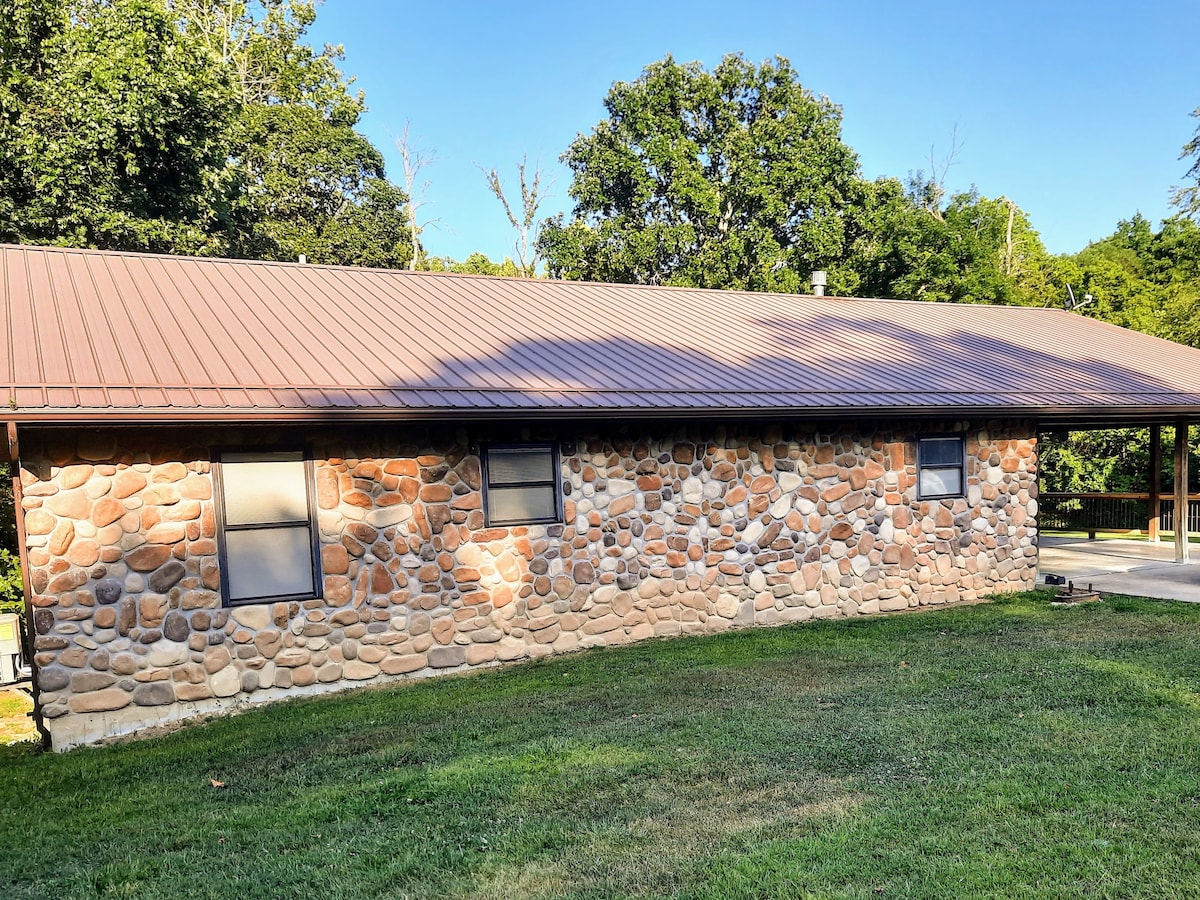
(1092,512)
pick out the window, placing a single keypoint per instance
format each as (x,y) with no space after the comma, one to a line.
(941,464)
(520,484)
(267,536)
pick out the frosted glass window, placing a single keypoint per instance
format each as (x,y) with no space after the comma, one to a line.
(940,467)
(522,484)
(520,466)
(268,562)
(263,488)
(522,504)
(266,526)
(941,482)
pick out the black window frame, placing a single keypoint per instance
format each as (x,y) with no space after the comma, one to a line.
(553,481)
(310,486)
(961,466)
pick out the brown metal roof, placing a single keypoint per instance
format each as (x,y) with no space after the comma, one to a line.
(98,336)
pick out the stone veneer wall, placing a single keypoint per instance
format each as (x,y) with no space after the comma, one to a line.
(688,530)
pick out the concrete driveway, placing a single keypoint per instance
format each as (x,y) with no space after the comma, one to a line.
(1138,568)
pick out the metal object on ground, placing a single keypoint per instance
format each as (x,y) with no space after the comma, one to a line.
(1072,596)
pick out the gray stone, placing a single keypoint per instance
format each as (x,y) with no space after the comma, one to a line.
(108,591)
(156,693)
(53,678)
(175,627)
(82,682)
(446,657)
(167,576)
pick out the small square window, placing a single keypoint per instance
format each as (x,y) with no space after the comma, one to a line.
(520,484)
(941,467)
(267,537)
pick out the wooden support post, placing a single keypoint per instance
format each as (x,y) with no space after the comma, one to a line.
(1155,481)
(28,631)
(1181,492)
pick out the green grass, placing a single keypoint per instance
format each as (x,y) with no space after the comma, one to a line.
(15,722)
(1010,749)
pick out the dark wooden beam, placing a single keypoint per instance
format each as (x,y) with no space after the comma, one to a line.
(1155,481)
(28,632)
(1181,491)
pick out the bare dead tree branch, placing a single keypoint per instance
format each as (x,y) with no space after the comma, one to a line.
(414,160)
(532,195)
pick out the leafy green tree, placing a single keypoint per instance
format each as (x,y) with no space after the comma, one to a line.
(119,141)
(187,126)
(1140,278)
(304,181)
(475,264)
(734,178)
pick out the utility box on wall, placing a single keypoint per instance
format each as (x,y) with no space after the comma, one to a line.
(10,647)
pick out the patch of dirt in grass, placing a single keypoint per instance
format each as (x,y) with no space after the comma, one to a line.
(16,725)
(680,827)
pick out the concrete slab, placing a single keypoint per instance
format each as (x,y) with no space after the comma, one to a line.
(1138,568)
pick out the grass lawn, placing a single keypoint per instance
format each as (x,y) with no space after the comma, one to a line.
(15,723)
(1009,749)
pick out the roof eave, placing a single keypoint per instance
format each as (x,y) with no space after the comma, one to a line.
(1056,416)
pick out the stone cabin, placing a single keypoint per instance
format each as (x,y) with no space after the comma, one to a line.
(244,481)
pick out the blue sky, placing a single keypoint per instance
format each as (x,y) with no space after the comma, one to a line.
(1077,111)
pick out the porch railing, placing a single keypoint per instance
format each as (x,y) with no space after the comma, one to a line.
(1092,512)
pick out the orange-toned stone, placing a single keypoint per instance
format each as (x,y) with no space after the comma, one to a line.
(334,559)
(358,498)
(338,590)
(724,471)
(401,467)
(762,484)
(148,557)
(83,553)
(381,580)
(38,521)
(837,492)
(69,504)
(61,538)
(436,493)
(195,487)
(127,483)
(166,533)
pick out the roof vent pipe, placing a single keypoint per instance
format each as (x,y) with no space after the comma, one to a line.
(303,259)
(818,283)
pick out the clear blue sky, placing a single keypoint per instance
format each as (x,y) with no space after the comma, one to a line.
(1075,110)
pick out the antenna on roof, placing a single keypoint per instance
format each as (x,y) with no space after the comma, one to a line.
(1074,305)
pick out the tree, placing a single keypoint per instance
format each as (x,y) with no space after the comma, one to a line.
(119,140)
(1187,199)
(908,243)
(187,126)
(311,187)
(734,178)
(304,181)
(532,195)
(414,159)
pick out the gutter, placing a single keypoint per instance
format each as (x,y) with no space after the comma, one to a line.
(1049,414)
(27,629)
